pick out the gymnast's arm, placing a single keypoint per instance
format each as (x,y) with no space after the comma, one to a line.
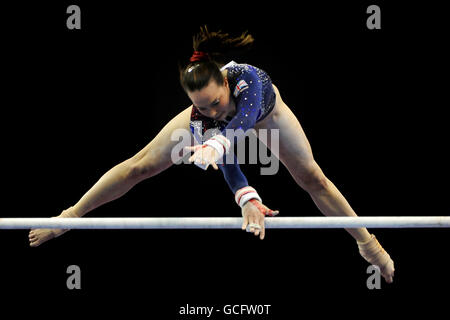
(249,102)
(233,175)
(248,108)
(238,183)
(253,211)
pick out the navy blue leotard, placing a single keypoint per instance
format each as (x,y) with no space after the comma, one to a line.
(254,97)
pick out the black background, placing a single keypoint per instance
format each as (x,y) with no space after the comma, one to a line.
(77,102)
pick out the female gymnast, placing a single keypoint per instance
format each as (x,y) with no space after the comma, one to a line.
(232,96)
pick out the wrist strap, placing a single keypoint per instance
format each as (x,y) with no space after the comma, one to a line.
(245,194)
(220,143)
(216,145)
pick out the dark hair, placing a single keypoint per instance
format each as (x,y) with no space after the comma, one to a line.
(217,45)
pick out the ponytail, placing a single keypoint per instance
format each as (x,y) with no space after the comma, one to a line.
(219,44)
(210,51)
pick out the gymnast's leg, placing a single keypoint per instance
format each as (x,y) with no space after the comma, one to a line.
(295,153)
(150,161)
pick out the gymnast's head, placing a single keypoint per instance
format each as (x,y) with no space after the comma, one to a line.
(202,80)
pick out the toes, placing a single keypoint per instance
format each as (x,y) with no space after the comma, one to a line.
(39,236)
(36,238)
(388,276)
(34,243)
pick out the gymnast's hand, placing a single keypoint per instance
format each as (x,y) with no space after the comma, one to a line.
(253,213)
(204,155)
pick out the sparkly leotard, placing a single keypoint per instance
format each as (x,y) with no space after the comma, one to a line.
(253,94)
(254,97)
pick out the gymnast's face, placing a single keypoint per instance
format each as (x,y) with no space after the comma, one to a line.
(213,101)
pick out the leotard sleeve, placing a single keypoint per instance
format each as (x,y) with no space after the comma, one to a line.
(249,96)
(233,175)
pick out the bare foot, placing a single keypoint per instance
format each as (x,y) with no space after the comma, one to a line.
(387,271)
(39,236)
(374,253)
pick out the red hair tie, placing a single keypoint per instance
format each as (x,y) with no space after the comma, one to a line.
(198,56)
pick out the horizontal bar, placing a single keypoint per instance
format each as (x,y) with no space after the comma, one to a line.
(224,223)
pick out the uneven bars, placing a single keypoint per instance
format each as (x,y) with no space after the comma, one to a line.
(225,223)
